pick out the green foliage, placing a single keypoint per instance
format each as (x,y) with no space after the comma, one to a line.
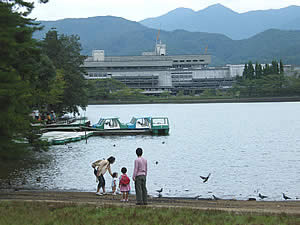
(103,88)
(19,55)
(64,52)
(107,89)
(30,79)
(268,82)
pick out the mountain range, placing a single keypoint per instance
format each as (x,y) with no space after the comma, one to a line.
(118,36)
(219,19)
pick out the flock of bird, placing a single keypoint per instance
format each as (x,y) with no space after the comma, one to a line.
(205,179)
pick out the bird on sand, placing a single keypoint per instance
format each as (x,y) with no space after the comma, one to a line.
(262,196)
(216,198)
(285,197)
(205,178)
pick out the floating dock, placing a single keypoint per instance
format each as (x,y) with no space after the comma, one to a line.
(58,138)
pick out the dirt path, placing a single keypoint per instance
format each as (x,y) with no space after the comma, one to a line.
(289,207)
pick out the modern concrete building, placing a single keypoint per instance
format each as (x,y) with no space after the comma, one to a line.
(156,72)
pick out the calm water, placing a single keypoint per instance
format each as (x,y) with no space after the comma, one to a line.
(248,148)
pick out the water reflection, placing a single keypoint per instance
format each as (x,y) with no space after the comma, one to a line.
(245,147)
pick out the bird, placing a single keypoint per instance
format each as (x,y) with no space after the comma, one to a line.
(285,197)
(163,142)
(198,196)
(156,162)
(38,179)
(160,191)
(216,198)
(69,147)
(114,145)
(205,178)
(262,196)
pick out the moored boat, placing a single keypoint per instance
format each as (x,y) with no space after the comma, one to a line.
(160,125)
(140,123)
(110,123)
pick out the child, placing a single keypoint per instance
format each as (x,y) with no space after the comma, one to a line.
(124,185)
(114,183)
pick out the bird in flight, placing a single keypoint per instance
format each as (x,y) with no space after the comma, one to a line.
(160,191)
(205,178)
(262,196)
(285,197)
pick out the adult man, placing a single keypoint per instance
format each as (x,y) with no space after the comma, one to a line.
(139,177)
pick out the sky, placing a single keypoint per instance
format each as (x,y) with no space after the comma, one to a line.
(137,10)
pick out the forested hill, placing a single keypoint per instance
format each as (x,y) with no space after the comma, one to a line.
(219,19)
(118,36)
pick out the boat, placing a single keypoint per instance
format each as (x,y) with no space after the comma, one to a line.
(160,125)
(140,123)
(111,123)
(137,125)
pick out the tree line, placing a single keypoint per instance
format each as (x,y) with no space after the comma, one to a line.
(266,80)
(42,75)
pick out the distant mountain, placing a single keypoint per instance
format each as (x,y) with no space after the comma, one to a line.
(118,36)
(222,20)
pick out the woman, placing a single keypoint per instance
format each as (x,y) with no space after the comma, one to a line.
(100,168)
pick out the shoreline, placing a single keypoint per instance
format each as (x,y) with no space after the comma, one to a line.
(196,101)
(89,198)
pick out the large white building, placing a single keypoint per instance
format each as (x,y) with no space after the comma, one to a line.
(156,71)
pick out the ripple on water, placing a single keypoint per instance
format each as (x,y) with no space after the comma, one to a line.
(244,146)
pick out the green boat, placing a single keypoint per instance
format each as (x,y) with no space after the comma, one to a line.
(110,123)
(160,125)
(142,125)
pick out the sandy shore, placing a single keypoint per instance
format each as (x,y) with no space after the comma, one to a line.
(288,207)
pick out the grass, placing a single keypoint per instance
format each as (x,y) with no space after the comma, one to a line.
(60,213)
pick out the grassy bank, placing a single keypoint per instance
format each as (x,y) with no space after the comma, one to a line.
(194,99)
(62,213)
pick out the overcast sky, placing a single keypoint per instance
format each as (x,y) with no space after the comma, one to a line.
(137,10)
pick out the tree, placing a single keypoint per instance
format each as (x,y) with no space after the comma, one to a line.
(258,70)
(104,88)
(19,54)
(250,70)
(281,69)
(245,72)
(274,67)
(266,70)
(64,51)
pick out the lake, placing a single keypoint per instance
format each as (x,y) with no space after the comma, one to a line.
(248,148)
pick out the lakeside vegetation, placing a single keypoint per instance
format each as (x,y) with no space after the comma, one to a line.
(34,75)
(63,213)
